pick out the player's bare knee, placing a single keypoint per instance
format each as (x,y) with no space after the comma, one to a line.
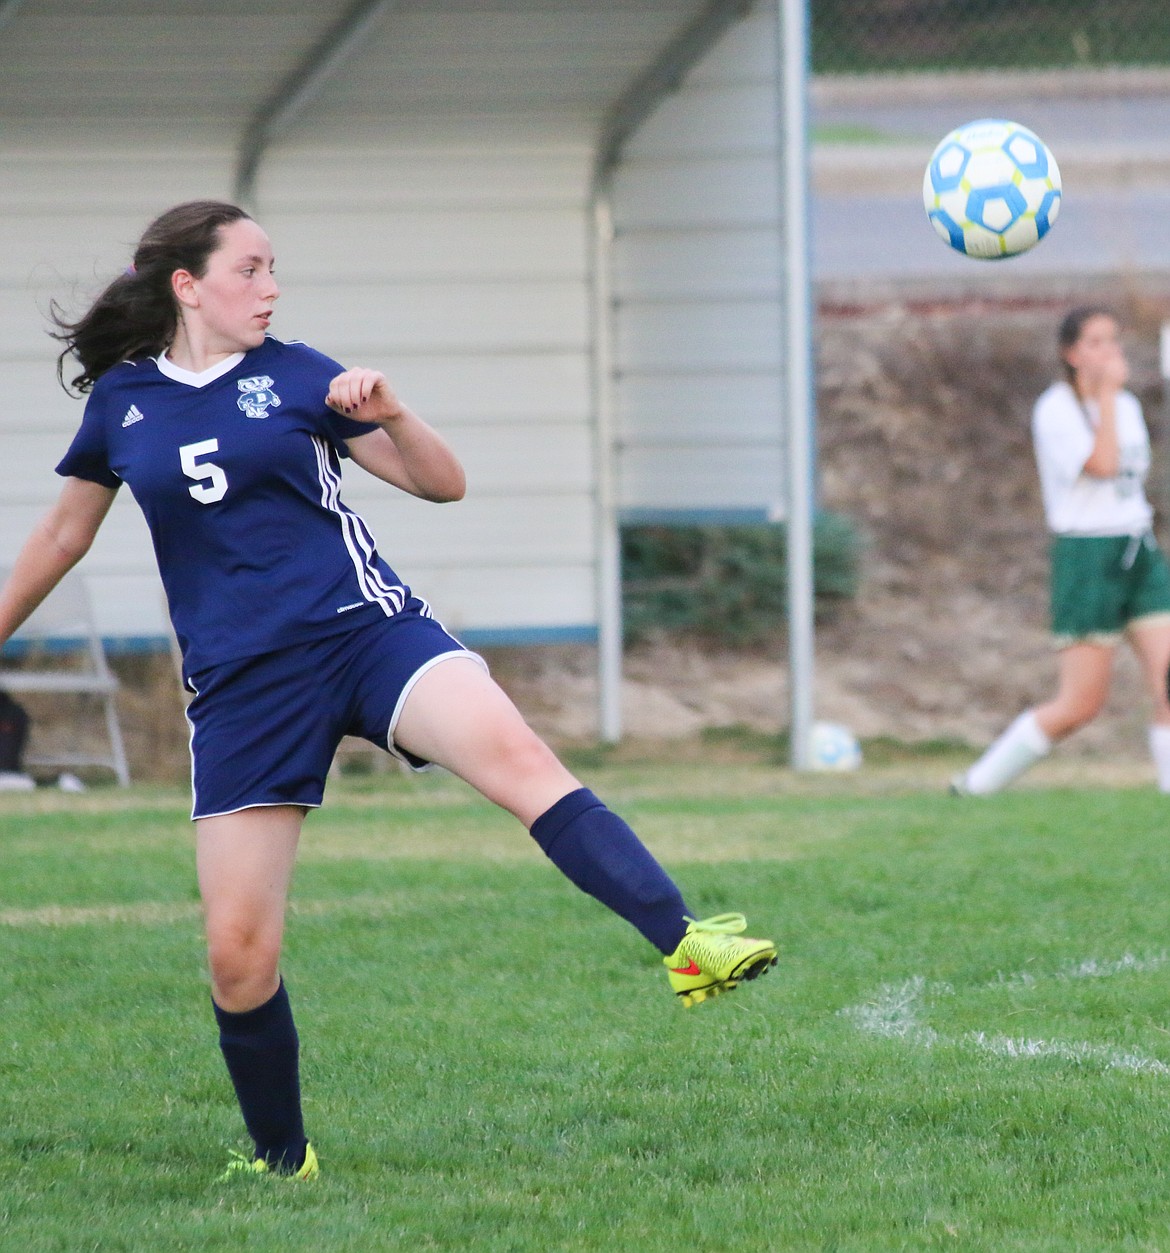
(525,755)
(239,957)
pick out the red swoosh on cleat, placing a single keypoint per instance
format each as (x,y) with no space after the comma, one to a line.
(691,969)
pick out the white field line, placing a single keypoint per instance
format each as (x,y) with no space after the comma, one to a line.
(1090,968)
(1094,1054)
(894,1013)
(897,1012)
(1127,963)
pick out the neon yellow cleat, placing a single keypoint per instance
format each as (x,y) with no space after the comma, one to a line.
(241,1165)
(712,957)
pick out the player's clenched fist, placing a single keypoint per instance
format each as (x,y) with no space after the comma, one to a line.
(364,395)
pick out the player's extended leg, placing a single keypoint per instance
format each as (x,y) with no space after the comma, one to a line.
(1085,671)
(245,862)
(1151,643)
(459,718)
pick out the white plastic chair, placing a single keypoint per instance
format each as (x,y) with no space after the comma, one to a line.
(65,657)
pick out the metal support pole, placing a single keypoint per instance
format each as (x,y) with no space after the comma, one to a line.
(796,337)
(609,572)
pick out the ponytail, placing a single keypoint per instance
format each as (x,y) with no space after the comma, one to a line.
(133,317)
(136,315)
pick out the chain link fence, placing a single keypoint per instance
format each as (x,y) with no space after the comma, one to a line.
(896,36)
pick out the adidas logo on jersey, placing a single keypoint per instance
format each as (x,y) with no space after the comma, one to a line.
(133,414)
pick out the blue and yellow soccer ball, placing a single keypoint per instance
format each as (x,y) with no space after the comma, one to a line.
(992,189)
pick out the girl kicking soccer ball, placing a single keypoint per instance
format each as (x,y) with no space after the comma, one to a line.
(295,631)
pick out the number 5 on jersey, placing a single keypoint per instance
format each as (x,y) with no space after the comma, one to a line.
(211,483)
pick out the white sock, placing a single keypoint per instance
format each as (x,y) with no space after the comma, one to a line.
(1160,752)
(1020,746)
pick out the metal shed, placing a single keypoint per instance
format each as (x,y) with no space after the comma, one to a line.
(556,226)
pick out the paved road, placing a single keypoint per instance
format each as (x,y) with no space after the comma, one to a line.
(1110,135)
(886,236)
(1103,118)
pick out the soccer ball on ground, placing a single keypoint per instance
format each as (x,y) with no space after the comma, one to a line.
(991,189)
(833,747)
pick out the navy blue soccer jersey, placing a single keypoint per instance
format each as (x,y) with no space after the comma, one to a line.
(238,473)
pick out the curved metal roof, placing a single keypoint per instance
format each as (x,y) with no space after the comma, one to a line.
(254,72)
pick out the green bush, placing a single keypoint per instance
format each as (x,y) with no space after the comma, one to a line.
(728,582)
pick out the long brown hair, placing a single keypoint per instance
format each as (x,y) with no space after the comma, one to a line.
(136,315)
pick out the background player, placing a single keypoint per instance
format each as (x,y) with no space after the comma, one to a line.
(1109,577)
(294,631)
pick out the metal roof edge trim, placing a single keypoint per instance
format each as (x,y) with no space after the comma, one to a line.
(662,76)
(300,86)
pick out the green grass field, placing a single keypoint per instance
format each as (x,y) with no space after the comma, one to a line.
(966,1044)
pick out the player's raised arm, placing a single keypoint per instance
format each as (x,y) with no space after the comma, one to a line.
(57,543)
(1109,374)
(403,450)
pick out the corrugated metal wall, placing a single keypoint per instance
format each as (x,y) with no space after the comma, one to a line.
(461,276)
(696,258)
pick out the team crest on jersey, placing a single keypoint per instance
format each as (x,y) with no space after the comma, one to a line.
(258,396)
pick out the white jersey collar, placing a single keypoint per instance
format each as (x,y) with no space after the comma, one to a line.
(203,377)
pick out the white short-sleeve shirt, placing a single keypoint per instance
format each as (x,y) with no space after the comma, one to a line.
(1075,503)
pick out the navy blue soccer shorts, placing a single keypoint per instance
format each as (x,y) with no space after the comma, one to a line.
(264,729)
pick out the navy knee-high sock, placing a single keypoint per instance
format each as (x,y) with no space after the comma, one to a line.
(262,1051)
(599,852)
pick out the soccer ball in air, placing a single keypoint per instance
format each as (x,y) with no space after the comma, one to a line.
(991,189)
(833,747)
